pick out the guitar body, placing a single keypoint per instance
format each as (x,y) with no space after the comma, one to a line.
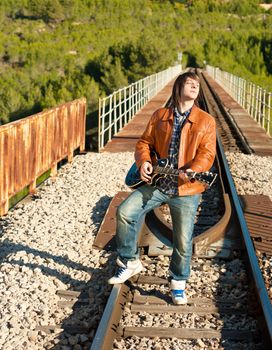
(133,178)
(162,169)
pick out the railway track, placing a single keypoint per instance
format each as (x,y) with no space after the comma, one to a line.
(257,208)
(228,303)
(213,317)
(54,283)
(231,137)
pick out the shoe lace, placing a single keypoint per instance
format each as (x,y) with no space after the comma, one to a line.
(119,271)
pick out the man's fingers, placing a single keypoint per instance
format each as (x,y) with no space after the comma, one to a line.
(185,175)
(146,170)
(145,176)
(189,171)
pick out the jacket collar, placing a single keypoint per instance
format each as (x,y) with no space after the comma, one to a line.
(169,114)
(193,117)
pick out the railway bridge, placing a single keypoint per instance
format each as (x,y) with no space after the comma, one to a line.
(58,243)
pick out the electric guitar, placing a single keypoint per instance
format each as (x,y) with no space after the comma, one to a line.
(162,169)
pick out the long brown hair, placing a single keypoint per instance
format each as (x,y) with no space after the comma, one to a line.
(178,87)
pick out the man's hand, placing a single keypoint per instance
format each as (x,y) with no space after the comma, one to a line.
(184,175)
(145,171)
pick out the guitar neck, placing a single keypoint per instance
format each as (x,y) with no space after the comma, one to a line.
(206,178)
(166,171)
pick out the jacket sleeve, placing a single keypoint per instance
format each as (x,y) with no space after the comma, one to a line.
(146,142)
(206,151)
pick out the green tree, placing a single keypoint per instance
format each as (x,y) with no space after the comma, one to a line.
(52,51)
(243,7)
(48,10)
(113,76)
(266,47)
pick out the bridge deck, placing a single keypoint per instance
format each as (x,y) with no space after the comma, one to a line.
(125,140)
(254,134)
(256,137)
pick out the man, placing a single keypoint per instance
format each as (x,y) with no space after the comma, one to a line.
(185,135)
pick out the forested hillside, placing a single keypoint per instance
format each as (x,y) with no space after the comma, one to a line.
(52,51)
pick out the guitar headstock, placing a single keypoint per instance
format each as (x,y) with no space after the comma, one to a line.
(207,177)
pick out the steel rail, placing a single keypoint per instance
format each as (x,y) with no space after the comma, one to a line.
(108,329)
(106,333)
(254,265)
(229,117)
(108,326)
(155,221)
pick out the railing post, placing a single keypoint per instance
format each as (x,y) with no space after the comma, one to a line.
(114,114)
(4,207)
(263,108)
(120,109)
(99,124)
(248,96)
(253,96)
(244,93)
(133,100)
(253,99)
(54,170)
(83,127)
(141,94)
(258,104)
(129,104)
(150,83)
(146,89)
(32,186)
(240,89)
(110,118)
(125,104)
(269,113)
(103,123)
(4,174)
(138,96)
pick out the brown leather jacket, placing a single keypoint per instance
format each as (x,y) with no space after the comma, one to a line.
(197,143)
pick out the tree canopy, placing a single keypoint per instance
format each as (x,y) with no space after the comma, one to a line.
(52,51)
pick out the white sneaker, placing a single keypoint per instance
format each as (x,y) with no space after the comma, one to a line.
(178,292)
(124,272)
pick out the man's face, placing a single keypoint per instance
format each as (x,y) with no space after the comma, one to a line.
(190,89)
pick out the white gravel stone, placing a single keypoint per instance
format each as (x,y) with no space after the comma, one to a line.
(252,174)
(46,246)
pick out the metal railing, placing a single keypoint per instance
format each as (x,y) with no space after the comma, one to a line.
(31,146)
(257,101)
(117,109)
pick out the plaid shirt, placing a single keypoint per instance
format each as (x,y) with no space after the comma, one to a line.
(169,184)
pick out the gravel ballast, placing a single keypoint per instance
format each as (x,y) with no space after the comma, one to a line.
(46,246)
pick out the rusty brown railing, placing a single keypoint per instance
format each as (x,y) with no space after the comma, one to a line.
(31,146)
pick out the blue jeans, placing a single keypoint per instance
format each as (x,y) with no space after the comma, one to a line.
(182,209)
